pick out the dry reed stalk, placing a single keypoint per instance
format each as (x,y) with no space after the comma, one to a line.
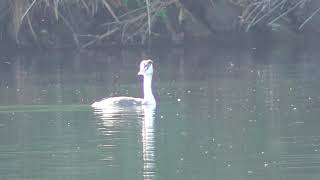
(110,10)
(134,20)
(257,11)
(309,18)
(149,17)
(100,37)
(28,9)
(286,12)
(31,29)
(133,23)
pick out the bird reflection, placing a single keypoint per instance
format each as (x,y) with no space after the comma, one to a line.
(113,117)
(148,141)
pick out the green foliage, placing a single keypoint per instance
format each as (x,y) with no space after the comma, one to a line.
(163,13)
(125,2)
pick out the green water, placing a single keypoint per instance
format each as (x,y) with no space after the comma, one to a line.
(221,114)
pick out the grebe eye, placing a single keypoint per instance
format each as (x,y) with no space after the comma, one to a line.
(146,66)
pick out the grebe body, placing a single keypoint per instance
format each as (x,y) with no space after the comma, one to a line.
(146,70)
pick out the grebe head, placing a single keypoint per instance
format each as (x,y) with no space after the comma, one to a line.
(146,68)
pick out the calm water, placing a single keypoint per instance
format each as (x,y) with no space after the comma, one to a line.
(249,113)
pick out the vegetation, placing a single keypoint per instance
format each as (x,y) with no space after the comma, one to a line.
(85,23)
(274,10)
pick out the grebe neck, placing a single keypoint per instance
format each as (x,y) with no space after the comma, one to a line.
(147,90)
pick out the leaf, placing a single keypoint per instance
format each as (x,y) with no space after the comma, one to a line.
(125,2)
(162,13)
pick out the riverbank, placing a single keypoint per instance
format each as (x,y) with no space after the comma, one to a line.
(74,24)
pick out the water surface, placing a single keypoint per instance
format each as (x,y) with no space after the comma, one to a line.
(237,113)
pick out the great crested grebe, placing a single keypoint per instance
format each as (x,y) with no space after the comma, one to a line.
(146,70)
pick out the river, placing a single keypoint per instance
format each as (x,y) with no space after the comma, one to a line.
(222,113)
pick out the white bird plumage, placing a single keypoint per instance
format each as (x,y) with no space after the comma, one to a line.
(146,70)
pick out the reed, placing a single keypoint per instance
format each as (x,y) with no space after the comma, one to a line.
(127,20)
(271,11)
(131,17)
